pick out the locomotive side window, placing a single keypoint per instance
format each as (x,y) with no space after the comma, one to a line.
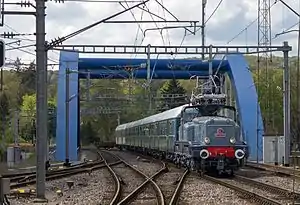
(197,133)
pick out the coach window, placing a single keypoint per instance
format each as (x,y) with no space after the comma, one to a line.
(166,127)
(151,129)
(159,128)
(162,127)
(142,130)
(169,127)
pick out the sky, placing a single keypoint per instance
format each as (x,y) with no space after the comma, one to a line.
(230,19)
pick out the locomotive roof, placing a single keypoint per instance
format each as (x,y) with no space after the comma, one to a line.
(169,114)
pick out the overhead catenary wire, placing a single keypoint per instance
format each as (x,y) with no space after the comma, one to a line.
(167,31)
(214,11)
(31,52)
(71,35)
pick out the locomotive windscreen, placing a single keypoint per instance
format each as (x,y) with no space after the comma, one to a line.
(191,112)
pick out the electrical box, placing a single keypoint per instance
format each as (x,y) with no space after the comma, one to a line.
(273,149)
(6,185)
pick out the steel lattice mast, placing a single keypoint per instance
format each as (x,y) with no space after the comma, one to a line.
(263,59)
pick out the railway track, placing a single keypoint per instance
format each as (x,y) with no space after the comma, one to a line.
(23,177)
(255,191)
(29,177)
(109,161)
(175,197)
(252,190)
(134,194)
(20,180)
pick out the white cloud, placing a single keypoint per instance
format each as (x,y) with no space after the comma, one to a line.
(231,17)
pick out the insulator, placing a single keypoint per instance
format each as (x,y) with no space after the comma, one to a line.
(25,4)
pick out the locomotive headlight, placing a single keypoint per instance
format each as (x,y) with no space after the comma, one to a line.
(232,140)
(206,140)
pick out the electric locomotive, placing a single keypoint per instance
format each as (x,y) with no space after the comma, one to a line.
(210,140)
(203,135)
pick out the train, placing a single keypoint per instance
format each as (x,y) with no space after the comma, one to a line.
(200,137)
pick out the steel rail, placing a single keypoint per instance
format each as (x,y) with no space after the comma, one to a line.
(135,192)
(14,177)
(254,196)
(268,187)
(176,194)
(27,176)
(117,193)
(150,179)
(62,175)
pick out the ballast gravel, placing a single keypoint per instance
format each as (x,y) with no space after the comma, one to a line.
(197,191)
(130,180)
(270,178)
(87,190)
(146,165)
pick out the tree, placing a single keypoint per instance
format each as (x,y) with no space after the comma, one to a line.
(51,119)
(28,118)
(87,133)
(27,77)
(172,87)
(4,107)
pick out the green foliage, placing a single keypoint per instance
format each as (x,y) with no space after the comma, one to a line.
(28,118)
(88,133)
(27,79)
(51,119)
(172,86)
(4,107)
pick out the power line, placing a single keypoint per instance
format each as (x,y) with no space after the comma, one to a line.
(246,28)
(71,35)
(20,48)
(214,11)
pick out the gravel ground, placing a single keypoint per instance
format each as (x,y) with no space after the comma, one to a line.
(87,154)
(257,190)
(87,189)
(147,197)
(282,182)
(167,182)
(145,165)
(271,178)
(148,167)
(129,177)
(197,191)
